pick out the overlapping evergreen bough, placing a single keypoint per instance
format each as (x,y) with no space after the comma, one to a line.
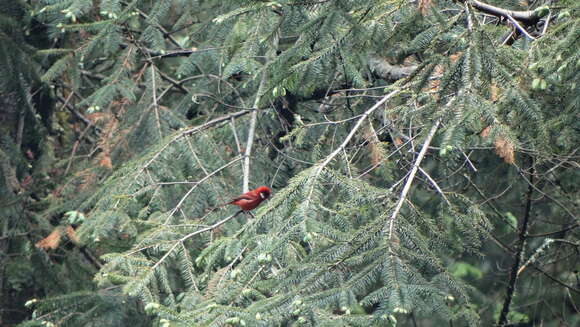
(388,132)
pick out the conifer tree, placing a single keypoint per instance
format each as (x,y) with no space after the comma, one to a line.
(412,148)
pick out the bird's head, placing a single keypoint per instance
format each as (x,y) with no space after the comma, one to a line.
(264,192)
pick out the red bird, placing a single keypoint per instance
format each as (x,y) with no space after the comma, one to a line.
(252,199)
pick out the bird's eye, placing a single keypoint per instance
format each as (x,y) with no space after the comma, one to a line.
(263,196)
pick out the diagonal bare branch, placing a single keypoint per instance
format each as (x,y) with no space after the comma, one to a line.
(410,179)
(251,134)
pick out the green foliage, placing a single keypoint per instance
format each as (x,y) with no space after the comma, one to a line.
(381,211)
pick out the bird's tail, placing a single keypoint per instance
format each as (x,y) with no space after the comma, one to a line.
(217,207)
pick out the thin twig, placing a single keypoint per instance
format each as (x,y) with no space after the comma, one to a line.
(558,203)
(349,137)
(199,163)
(236,138)
(511,251)
(469,162)
(571,227)
(410,179)
(434,183)
(166,34)
(75,147)
(347,163)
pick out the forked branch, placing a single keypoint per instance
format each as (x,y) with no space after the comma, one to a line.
(528,17)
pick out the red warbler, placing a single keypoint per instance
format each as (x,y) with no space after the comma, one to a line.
(252,199)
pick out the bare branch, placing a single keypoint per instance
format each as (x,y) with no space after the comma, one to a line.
(545,29)
(251,133)
(529,17)
(410,179)
(520,28)
(434,183)
(155,104)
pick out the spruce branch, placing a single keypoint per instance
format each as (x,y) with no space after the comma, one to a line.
(71,108)
(190,235)
(191,131)
(178,206)
(158,26)
(195,130)
(353,131)
(410,179)
(177,84)
(75,148)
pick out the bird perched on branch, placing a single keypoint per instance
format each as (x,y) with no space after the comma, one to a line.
(252,199)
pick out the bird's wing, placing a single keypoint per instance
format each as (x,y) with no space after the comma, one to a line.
(244,196)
